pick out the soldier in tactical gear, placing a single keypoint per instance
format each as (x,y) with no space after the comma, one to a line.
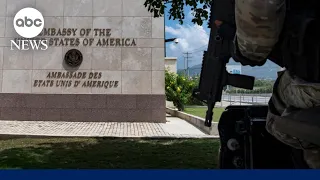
(286,32)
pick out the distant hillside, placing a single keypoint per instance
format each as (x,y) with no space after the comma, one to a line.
(267,71)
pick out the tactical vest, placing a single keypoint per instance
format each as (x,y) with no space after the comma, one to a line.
(298,49)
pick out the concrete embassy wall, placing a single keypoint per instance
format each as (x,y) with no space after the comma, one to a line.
(121,77)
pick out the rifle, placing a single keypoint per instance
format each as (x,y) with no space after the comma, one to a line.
(214,76)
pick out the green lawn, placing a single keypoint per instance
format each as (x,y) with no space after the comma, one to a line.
(201,112)
(101,153)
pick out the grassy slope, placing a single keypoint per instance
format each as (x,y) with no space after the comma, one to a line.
(201,112)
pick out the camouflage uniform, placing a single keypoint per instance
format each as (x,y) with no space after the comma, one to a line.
(259,23)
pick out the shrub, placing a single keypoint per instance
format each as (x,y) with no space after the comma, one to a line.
(178,89)
(193,101)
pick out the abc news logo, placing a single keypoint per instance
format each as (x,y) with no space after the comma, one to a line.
(29,23)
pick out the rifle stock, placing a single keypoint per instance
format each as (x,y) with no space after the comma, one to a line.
(214,76)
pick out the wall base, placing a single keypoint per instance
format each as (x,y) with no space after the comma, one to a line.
(83,107)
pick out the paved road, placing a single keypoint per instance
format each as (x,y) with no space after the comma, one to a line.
(247,98)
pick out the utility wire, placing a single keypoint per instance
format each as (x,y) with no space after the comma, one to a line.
(198,49)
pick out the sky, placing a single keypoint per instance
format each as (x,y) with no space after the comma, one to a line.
(192,39)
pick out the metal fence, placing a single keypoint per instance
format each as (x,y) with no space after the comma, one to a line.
(242,99)
(229,99)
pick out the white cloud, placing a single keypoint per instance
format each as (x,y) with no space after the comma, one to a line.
(192,38)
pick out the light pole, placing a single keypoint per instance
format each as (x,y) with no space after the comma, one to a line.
(169,40)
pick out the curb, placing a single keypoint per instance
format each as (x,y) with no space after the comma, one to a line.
(17,136)
(196,121)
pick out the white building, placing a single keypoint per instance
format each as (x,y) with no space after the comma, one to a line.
(171,64)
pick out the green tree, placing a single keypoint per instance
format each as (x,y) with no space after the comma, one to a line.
(200,9)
